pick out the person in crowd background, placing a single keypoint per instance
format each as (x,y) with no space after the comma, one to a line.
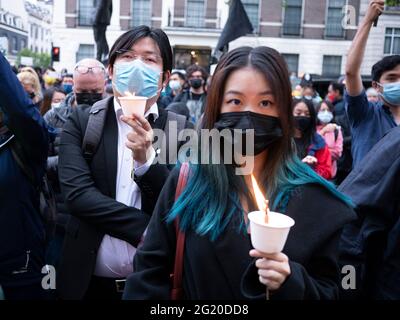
(330,131)
(195,97)
(372,95)
(335,96)
(52,98)
(311,147)
(31,84)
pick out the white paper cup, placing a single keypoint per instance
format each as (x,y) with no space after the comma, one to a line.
(133,105)
(271,237)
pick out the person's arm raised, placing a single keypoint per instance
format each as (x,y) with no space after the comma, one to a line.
(355,57)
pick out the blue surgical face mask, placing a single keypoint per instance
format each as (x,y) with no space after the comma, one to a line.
(325,116)
(67,88)
(391,93)
(136,77)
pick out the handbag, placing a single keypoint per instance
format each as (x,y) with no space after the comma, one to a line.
(177,275)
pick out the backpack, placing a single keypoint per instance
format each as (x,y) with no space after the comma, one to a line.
(47,198)
(95,126)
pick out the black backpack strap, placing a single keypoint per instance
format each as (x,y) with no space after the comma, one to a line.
(94,129)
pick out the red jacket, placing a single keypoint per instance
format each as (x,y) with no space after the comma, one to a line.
(324,165)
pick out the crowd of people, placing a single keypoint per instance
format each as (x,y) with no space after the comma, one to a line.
(81,190)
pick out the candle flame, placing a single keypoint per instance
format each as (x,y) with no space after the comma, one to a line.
(262,203)
(128,94)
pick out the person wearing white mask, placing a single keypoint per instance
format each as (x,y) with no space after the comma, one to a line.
(111,185)
(176,84)
(330,131)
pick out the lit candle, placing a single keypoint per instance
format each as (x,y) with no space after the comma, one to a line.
(262,203)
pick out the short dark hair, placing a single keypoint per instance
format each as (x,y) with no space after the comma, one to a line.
(309,134)
(338,87)
(386,64)
(330,105)
(129,38)
(193,68)
(179,74)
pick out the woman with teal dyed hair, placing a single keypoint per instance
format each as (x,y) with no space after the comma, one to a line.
(250,90)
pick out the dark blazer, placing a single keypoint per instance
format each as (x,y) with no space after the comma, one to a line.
(224,270)
(89,192)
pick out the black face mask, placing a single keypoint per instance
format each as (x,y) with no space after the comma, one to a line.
(32,95)
(302,123)
(196,83)
(267,129)
(88,98)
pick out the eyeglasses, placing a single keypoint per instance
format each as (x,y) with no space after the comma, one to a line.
(84,69)
(130,55)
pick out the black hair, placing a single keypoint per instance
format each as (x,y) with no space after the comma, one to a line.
(193,68)
(308,135)
(129,38)
(386,64)
(338,87)
(179,74)
(330,105)
(331,108)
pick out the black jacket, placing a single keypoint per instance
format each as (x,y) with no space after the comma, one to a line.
(371,243)
(89,192)
(224,270)
(22,233)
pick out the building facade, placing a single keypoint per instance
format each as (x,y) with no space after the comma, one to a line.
(40,18)
(13,28)
(25,24)
(314,36)
(384,39)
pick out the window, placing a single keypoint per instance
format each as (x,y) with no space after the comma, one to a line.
(141,12)
(292,20)
(85,51)
(334,19)
(195,13)
(252,7)
(87,11)
(392,41)
(292,61)
(23,44)
(14,44)
(332,65)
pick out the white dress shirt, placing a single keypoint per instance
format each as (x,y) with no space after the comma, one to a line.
(115,256)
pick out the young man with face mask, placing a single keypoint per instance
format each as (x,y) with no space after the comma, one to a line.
(111,195)
(195,96)
(370,122)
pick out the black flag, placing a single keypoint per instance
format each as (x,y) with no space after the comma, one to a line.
(238,25)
